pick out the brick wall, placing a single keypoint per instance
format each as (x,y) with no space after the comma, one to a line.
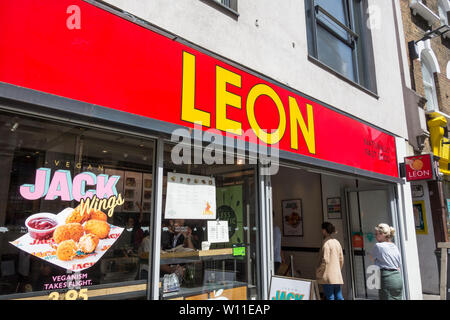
(415,27)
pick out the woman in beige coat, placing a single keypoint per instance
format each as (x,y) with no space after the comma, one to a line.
(328,273)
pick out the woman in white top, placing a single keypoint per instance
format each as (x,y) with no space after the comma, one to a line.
(387,256)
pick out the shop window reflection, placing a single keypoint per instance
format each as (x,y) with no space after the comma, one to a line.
(28,144)
(214,273)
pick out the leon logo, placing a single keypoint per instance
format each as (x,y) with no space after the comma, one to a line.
(415,164)
(207,210)
(419,168)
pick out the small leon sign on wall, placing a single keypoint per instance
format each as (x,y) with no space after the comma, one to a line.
(419,167)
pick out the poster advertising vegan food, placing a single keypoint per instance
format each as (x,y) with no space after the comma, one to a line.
(75,238)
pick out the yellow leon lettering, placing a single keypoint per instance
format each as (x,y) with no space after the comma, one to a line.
(188,111)
(253,95)
(224,98)
(296,119)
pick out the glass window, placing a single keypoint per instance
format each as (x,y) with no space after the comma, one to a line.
(202,256)
(443,17)
(366,210)
(429,86)
(335,8)
(446,187)
(75,206)
(225,2)
(334,53)
(338,37)
(232,4)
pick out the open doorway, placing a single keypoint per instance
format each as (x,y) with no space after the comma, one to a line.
(352,204)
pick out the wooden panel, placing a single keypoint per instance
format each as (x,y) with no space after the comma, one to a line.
(116,290)
(215,252)
(99,292)
(443,284)
(239,293)
(444,245)
(200,253)
(203,296)
(34,298)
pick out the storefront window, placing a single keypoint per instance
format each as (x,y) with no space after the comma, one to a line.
(209,231)
(75,207)
(446,185)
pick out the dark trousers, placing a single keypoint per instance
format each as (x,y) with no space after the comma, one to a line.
(277,266)
(333,292)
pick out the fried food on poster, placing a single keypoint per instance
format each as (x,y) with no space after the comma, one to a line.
(99,228)
(88,243)
(67,250)
(70,231)
(71,247)
(98,215)
(79,215)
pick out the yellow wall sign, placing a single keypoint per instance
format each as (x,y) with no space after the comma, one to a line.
(420,217)
(440,144)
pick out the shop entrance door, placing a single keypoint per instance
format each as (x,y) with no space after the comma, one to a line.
(366,209)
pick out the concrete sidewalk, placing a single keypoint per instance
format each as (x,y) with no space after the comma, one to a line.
(431,297)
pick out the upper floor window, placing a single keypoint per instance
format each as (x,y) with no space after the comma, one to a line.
(443,7)
(226,3)
(429,85)
(338,37)
(232,4)
(229,7)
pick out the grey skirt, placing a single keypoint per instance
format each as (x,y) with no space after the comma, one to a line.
(391,285)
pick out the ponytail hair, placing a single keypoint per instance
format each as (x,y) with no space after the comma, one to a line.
(386,230)
(328,227)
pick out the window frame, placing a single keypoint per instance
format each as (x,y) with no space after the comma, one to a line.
(230,10)
(260,219)
(123,289)
(351,35)
(443,13)
(360,48)
(425,65)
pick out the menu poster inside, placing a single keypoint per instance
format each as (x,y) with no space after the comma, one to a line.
(218,231)
(190,197)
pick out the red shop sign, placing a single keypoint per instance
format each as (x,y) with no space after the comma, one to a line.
(419,167)
(111,62)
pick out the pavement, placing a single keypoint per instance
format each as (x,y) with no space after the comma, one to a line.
(431,297)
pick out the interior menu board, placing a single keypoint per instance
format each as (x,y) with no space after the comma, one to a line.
(147,192)
(119,184)
(190,197)
(132,190)
(218,231)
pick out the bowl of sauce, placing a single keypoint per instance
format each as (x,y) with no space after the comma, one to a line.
(41,225)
